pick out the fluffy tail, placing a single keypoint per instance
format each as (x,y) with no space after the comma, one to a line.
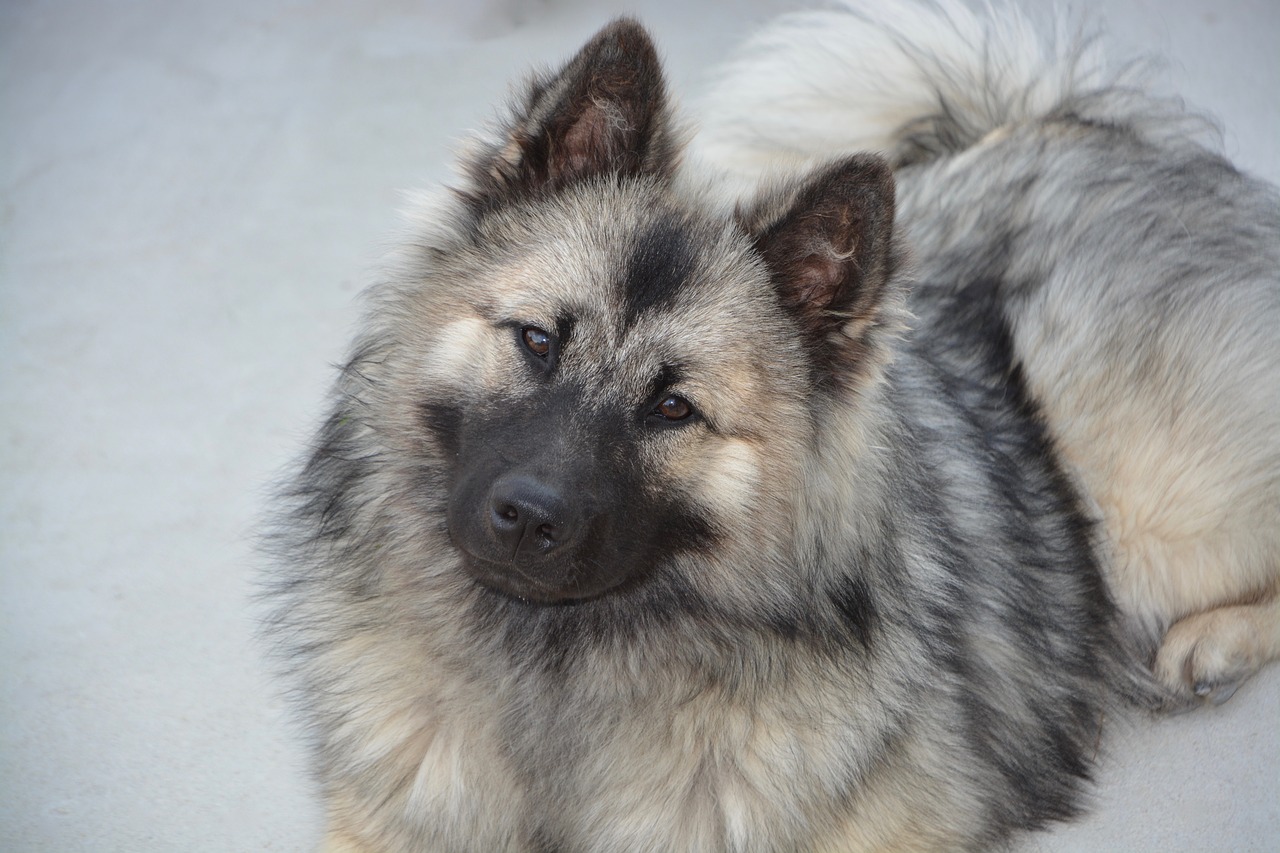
(911,80)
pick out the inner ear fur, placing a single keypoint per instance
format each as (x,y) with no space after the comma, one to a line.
(605,112)
(829,247)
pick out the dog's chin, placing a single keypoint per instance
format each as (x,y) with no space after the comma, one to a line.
(512,581)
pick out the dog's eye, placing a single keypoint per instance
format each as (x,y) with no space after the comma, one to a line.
(673,408)
(536,341)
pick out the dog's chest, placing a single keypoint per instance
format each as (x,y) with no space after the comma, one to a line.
(700,773)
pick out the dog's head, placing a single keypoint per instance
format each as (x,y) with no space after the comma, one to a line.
(602,371)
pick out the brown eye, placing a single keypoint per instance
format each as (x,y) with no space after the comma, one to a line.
(674,408)
(536,341)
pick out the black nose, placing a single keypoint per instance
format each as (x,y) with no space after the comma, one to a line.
(530,517)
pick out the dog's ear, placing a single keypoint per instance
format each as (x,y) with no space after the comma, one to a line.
(605,112)
(829,247)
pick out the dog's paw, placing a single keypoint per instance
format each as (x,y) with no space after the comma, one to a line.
(1207,656)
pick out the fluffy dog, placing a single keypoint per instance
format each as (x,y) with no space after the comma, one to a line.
(789,497)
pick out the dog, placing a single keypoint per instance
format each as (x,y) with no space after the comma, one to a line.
(818,484)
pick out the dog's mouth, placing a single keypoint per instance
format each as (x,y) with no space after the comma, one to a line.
(538,584)
(536,536)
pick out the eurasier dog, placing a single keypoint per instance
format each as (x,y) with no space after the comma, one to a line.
(776,496)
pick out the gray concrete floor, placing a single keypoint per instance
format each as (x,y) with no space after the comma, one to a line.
(191,194)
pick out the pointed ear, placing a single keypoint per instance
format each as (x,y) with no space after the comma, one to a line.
(605,112)
(829,248)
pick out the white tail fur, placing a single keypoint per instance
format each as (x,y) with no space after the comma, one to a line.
(912,80)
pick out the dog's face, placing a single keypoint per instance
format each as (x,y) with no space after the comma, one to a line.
(606,375)
(615,383)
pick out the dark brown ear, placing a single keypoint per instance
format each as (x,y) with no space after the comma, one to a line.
(605,112)
(831,253)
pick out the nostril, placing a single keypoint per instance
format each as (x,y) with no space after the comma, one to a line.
(506,516)
(549,532)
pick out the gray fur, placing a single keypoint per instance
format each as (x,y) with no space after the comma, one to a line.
(865,605)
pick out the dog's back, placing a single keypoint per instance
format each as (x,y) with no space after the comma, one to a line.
(1137,270)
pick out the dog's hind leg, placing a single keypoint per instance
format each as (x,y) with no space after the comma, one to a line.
(1209,605)
(341,842)
(1210,654)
